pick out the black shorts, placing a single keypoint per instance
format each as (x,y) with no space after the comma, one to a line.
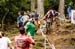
(20,24)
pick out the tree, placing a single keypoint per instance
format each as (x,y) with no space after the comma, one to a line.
(40,8)
(32,5)
(9,10)
(61,8)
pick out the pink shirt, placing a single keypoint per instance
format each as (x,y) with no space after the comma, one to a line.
(23,42)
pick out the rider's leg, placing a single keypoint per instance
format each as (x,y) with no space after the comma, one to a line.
(47,27)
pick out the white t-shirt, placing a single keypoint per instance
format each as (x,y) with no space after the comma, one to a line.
(4,42)
(25,18)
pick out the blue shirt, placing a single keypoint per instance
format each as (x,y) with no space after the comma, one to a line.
(19,19)
(69,9)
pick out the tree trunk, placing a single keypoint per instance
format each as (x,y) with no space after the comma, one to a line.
(3,20)
(32,5)
(61,9)
(40,8)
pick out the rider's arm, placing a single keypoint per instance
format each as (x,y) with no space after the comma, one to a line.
(46,15)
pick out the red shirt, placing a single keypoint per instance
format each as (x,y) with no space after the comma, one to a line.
(23,42)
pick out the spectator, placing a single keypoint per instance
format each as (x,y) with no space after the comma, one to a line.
(23,41)
(19,23)
(37,24)
(69,11)
(5,42)
(34,14)
(30,27)
(25,18)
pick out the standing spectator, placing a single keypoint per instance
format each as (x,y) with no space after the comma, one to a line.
(34,14)
(5,42)
(69,11)
(37,24)
(19,23)
(23,41)
(30,27)
(28,13)
(25,18)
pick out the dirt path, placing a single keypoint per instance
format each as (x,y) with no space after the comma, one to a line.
(63,37)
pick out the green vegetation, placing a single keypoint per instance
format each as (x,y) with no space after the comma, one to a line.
(9,8)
